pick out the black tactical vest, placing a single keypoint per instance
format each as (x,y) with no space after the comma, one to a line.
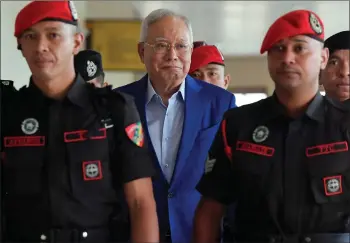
(57,169)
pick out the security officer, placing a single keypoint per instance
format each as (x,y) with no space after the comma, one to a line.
(88,63)
(207,64)
(335,77)
(284,160)
(69,148)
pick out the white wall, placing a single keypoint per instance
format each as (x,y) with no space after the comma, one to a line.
(13,65)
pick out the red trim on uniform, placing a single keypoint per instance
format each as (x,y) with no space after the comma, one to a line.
(103,136)
(75,136)
(325,181)
(99,167)
(255,148)
(81,135)
(3,156)
(227,148)
(24,141)
(329,148)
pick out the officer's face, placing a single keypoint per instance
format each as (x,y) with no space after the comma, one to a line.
(296,62)
(335,77)
(49,48)
(167,65)
(214,74)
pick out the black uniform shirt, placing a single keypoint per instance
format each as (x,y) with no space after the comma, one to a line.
(280,170)
(67,160)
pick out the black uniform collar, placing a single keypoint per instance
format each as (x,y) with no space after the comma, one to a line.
(315,110)
(78,94)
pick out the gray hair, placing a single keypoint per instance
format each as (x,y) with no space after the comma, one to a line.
(158,14)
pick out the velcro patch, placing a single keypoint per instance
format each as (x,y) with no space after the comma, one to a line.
(135,133)
(333,185)
(329,148)
(255,148)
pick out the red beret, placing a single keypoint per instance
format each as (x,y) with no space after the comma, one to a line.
(298,22)
(203,55)
(37,11)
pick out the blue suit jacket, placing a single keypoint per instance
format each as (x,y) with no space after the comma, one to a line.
(205,105)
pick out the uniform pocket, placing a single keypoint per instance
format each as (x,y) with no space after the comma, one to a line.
(329,170)
(89,168)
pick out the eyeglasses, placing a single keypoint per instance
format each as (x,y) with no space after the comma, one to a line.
(164,47)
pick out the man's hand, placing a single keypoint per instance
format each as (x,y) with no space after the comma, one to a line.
(143,213)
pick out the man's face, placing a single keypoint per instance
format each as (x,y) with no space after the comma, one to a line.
(214,74)
(169,65)
(49,48)
(335,77)
(296,62)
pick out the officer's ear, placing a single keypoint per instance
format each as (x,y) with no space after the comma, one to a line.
(227,80)
(141,51)
(324,58)
(79,38)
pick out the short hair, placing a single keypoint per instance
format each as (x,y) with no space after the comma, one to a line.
(158,14)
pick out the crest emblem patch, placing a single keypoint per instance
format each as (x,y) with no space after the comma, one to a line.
(260,134)
(92,170)
(91,68)
(73,10)
(135,133)
(30,126)
(333,185)
(315,24)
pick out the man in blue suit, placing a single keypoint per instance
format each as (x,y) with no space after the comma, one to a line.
(181,116)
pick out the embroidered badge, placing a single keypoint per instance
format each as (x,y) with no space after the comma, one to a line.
(91,68)
(333,185)
(30,126)
(92,170)
(315,24)
(73,10)
(135,133)
(260,134)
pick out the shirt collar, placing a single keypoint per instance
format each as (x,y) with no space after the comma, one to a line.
(78,93)
(315,110)
(151,92)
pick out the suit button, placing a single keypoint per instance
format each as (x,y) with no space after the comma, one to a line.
(170,195)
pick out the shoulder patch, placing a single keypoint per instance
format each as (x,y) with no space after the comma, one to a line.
(135,133)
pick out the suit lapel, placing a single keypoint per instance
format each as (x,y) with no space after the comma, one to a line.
(192,119)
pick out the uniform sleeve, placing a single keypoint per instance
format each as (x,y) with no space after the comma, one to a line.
(132,146)
(217,181)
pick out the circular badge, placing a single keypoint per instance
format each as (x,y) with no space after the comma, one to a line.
(30,126)
(73,10)
(91,170)
(260,134)
(315,24)
(333,185)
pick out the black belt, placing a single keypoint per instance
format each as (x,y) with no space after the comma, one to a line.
(75,236)
(307,238)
